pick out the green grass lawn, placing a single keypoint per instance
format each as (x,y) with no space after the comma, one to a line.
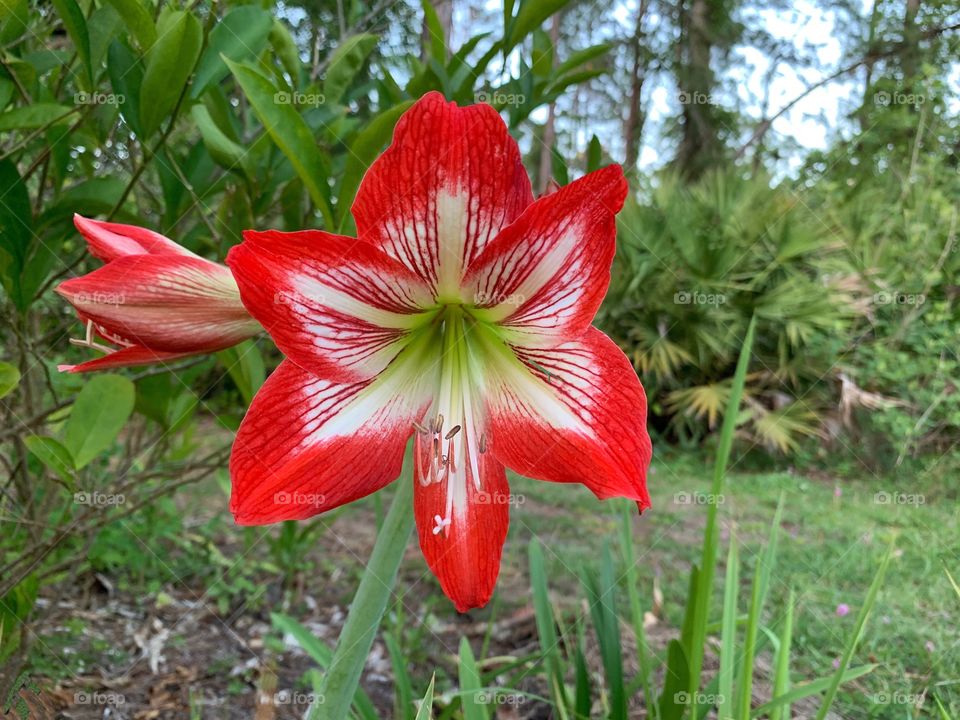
(834,536)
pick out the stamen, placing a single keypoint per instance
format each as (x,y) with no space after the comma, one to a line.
(483,443)
(420,428)
(453,431)
(441,523)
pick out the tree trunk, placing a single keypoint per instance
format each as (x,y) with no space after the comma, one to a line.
(633,129)
(700,143)
(444,9)
(545,172)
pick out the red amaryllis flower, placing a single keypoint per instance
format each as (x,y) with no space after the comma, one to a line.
(461,315)
(154,299)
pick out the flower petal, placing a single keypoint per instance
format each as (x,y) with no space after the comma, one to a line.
(309,445)
(109,241)
(125,357)
(336,306)
(451,179)
(573,413)
(169,303)
(544,276)
(463,548)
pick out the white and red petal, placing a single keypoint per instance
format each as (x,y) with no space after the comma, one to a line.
(573,413)
(308,445)
(125,357)
(461,501)
(168,303)
(449,182)
(543,278)
(336,306)
(109,241)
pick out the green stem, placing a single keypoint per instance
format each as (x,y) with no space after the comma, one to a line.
(369,604)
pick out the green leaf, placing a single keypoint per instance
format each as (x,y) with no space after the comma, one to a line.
(285,47)
(345,63)
(363,151)
(708,562)
(473,709)
(76,26)
(138,20)
(99,413)
(241,35)
(531,16)
(781,684)
(169,63)
(814,687)
(636,609)
(126,79)
(9,378)
(546,624)
(403,685)
(245,365)
(728,633)
(425,711)
(322,655)
(52,454)
(31,117)
(869,600)
(291,134)
(594,154)
(434,28)
(223,150)
(541,62)
(369,603)
(15,607)
(675,698)
(16,231)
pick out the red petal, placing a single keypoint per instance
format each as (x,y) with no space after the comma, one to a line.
(109,241)
(336,306)
(308,445)
(168,303)
(451,179)
(465,555)
(125,357)
(545,275)
(584,421)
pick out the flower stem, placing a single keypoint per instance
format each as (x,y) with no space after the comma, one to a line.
(369,604)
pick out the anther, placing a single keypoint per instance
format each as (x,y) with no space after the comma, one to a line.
(420,428)
(483,443)
(453,431)
(441,523)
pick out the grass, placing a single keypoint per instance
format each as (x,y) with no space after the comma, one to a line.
(834,537)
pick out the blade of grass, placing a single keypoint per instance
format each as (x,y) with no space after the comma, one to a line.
(728,633)
(811,688)
(708,562)
(425,711)
(781,683)
(857,634)
(369,603)
(636,609)
(470,687)
(761,583)
(403,686)
(546,628)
